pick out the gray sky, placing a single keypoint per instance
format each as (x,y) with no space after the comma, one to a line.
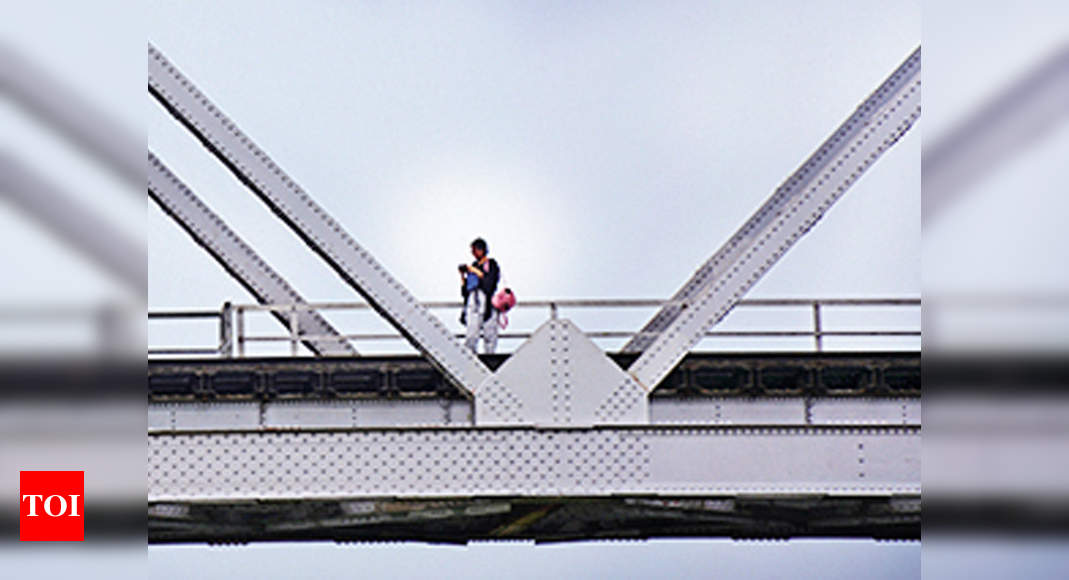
(827,560)
(603,152)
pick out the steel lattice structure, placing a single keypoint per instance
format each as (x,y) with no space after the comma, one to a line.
(558,440)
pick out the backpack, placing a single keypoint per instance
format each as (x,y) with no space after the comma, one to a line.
(503,301)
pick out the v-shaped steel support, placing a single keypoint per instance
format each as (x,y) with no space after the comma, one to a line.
(356,266)
(794,208)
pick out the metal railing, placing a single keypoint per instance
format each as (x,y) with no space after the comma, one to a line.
(225,346)
(233,337)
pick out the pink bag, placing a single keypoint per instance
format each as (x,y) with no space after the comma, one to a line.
(503,301)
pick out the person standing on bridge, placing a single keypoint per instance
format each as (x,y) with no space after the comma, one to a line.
(478,284)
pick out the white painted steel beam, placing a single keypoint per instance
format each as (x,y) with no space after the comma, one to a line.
(184,416)
(705,460)
(296,414)
(744,237)
(209,231)
(220,135)
(795,207)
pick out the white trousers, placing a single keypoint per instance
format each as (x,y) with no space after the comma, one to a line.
(477,327)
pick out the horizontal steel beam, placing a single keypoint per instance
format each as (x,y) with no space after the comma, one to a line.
(182,416)
(611,303)
(625,334)
(465,462)
(551,519)
(169,314)
(699,375)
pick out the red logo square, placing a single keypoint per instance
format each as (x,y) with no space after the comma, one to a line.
(51,506)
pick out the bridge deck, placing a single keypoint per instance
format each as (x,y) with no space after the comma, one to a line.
(768,445)
(883,374)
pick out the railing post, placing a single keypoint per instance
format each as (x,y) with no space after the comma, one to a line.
(241,331)
(226,341)
(818,335)
(293,329)
(552,310)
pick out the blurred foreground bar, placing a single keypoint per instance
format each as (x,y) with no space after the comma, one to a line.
(996,409)
(73,263)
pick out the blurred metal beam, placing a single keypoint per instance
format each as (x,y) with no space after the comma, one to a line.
(1032,107)
(88,126)
(74,223)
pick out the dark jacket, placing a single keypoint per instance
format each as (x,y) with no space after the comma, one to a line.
(487,284)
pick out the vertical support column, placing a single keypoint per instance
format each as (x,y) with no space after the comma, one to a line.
(818,334)
(295,329)
(241,331)
(226,331)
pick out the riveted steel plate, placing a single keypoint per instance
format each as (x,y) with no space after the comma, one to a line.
(533,462)
(560,377)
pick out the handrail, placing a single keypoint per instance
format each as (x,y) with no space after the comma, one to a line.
(606,303)
(233,337)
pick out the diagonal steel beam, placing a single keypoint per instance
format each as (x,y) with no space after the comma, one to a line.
(221,136)
(206,228)
(747,235)
(794,208)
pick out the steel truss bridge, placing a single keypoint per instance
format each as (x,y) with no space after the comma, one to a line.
(558,440)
